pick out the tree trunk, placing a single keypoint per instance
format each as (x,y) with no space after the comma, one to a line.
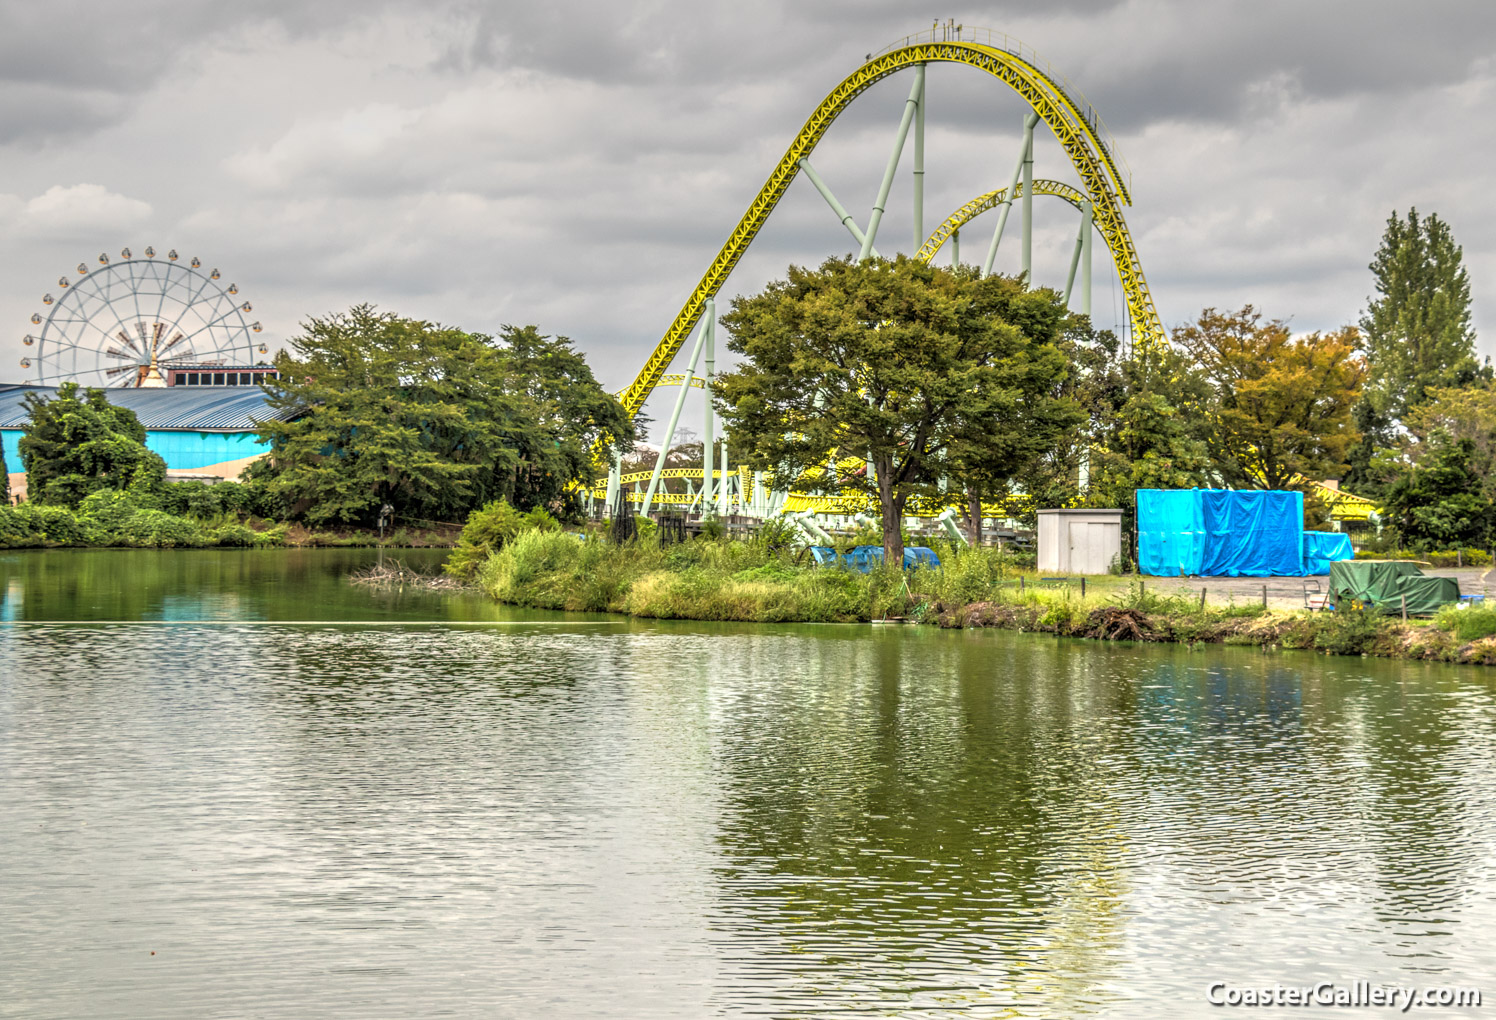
(974,515)
(893,515)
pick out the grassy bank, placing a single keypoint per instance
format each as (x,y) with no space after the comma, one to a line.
(693,581)
(748,581)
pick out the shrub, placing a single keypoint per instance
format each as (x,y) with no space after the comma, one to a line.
(487,530)
(103,513)
(38,524)
(1348,632)
(191,499)
(236,535)
(160,530)
(1467,624)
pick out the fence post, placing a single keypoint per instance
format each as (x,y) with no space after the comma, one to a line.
(1020,584)
(1264,596)
(1405,608)
(1202,598)
(1082,587)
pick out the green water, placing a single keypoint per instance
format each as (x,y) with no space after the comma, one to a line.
(307,800)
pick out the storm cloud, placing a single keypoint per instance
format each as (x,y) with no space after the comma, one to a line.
(577,165)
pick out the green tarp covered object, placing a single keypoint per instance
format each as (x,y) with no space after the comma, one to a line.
(1384,583)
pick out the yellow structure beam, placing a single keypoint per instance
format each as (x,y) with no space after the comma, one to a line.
(971,210)
(1071,121)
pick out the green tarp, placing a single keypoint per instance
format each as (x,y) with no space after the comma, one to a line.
(1384,584)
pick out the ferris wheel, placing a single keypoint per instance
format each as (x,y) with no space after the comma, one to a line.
(126,322)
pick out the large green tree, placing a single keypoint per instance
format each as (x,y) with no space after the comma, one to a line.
(77,442)
(1155,436)
(1418,334)
(1418,329)
(1440,502)
(431,419)
(932,375)
(1278,406)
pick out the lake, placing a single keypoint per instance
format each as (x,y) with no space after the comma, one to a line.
(234,785)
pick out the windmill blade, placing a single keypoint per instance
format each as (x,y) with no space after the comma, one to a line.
(125,339)
(174,341)
(115,352)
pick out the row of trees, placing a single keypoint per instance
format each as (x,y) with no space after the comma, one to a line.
(946,385)
(947,382)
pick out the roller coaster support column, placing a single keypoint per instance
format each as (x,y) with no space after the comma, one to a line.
(893,162)
(1002,214)
(723,495)
(1081,237)
(709,441)
(955,248)
(680,402)
(1085,261)
(614,471)
(919,163)
(1026,249)
(947,521)
(836,207)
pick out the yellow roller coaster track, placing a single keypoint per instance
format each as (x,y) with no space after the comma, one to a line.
(1091,158)
(971,210)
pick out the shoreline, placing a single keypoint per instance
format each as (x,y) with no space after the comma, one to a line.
(743,583)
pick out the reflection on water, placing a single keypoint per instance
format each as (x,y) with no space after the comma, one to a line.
(579,817)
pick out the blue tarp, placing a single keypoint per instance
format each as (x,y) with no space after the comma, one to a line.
(1321,548)
(1220,533)
(1171,532)
(862,558)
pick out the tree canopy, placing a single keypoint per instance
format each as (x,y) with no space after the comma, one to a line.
(1279,407)
(431,419)
(1440,503)
(76,444)
(1419,332)
(934,376)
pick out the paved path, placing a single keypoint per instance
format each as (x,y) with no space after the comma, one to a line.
(1288,592)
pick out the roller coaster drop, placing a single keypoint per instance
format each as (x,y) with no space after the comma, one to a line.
(1105,188)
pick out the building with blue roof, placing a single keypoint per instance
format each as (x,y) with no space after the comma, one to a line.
(208,430)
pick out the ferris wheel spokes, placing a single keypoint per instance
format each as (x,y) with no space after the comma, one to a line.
(128,322)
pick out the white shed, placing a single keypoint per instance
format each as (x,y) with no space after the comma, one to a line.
(1079,541)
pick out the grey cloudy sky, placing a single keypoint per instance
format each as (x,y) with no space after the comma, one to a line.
(577,164)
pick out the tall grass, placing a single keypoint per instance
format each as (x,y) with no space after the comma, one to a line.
(701,580)
(1467,623)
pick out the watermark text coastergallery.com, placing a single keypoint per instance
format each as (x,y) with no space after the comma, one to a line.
(1341,993)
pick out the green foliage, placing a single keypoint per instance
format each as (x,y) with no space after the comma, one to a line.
(1348,632)
(1441,504)
(432,420)
(204,502)
(1468,623)
(1420,339)
(112,517)
(39,524)
(697,580)
(159,530)
(928,373)
(1469,556)
(1279,407)
(1419,330)
(4,478)
(74,446)
(487,530)
(1149,436)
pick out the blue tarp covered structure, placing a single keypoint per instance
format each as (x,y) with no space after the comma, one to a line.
(1322,548)
(862,558)
(1221,533)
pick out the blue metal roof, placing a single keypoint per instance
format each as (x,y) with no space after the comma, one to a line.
(188,408)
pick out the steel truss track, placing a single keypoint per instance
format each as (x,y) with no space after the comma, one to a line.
(1090,157)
